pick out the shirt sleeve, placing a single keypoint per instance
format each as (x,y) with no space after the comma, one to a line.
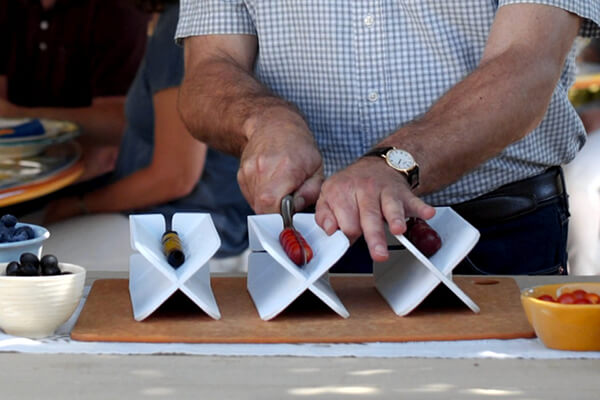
(589,10)
(213,17)
(164,59)
(120,36)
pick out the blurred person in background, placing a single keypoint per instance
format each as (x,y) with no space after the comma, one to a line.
(71,60)
(582,176)
(161,167)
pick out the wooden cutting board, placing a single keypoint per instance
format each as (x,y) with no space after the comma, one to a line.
(107,316)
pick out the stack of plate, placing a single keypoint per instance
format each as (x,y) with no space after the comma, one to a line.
(29,137)
(37,156)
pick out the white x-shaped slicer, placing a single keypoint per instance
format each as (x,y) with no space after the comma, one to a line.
(274,281)
(152,280)
(408,276)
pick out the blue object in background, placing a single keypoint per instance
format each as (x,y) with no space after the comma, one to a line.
(31,128)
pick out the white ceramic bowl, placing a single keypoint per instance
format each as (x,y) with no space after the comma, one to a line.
(35,306)
(11,251)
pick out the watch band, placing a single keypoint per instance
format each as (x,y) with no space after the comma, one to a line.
(378,151)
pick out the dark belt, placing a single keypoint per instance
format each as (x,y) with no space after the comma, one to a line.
(514,199)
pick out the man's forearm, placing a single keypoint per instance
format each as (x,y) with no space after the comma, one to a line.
(505,98)
(222,104)
(475,121)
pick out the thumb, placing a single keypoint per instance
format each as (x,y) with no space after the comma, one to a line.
(308,193)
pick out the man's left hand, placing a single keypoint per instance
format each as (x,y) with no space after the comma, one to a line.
(359,199)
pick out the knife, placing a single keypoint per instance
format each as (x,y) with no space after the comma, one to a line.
(295,246)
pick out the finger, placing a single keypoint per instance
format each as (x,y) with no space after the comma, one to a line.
(279,177)
(345,209)
(325,218)
(416,207)
(371,222)
(308,193)
(392,208)
(244,178)
(270,183)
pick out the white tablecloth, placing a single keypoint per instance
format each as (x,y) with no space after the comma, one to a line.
(61,343)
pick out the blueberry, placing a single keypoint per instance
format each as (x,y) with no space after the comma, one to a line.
(29,259)
(24,231)
(6,233)
(29,270)
(29,230)
(12,269)
(8,220)
(20,236)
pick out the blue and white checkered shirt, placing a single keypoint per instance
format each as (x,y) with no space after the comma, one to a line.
(359,69)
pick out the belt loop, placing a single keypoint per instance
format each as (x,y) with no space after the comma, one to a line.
(561,175)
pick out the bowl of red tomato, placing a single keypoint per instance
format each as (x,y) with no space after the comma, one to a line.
(565,316)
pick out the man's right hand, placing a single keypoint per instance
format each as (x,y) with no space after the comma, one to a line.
(281,157)
(224,105)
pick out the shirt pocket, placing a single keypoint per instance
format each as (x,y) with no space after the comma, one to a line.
(476,14)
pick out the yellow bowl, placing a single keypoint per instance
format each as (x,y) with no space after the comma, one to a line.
(564,326)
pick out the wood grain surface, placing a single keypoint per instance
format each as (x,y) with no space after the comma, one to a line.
(107,316)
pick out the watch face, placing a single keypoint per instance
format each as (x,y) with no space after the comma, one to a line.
(400,159)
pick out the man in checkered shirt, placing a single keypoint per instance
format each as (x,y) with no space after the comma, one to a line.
(474,90)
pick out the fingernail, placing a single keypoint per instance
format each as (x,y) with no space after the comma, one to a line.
(381,250)
(398,222)
(328,224)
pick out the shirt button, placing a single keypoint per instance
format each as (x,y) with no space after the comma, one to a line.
(373,97)
(369,20)
(44,25)
(43,46)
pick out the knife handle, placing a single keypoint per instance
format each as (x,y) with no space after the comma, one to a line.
(295,246)
(172,249)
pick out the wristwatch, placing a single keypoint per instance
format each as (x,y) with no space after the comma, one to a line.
(401,160)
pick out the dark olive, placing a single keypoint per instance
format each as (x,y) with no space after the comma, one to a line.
(29,270)
(12,269)
(51,270)
(29,258)
(49,260)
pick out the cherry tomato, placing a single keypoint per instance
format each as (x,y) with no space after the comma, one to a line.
(582,301)
(566,298)
(593,298)
(546,297)
(579,294)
